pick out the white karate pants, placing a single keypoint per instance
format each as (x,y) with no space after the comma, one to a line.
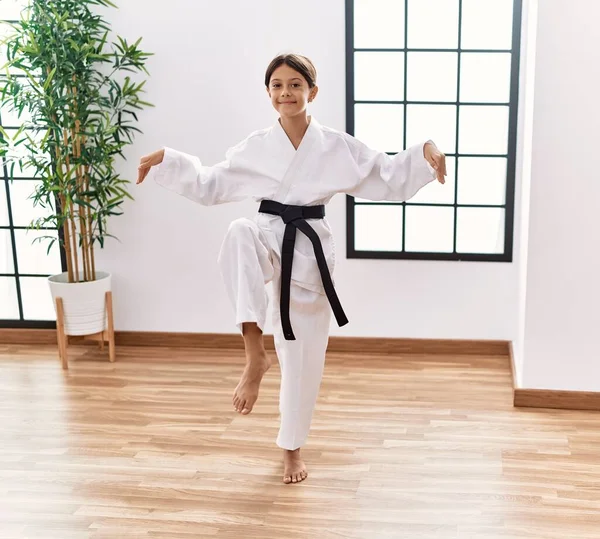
(246,265)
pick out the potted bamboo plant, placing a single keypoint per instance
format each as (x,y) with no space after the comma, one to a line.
(71,88)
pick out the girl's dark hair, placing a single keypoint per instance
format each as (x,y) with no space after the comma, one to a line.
(300,63)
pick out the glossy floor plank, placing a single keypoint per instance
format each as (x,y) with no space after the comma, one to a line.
(406,446)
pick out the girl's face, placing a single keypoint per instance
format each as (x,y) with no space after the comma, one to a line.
(289,91)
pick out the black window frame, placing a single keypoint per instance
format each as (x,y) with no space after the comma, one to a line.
(5,179)
(513,104)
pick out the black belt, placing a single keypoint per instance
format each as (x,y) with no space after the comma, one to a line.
(294,218)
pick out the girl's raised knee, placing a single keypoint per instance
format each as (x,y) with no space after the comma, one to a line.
(241,226)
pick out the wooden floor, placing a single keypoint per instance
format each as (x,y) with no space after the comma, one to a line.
(412,447)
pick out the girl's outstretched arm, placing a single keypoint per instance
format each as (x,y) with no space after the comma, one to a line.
(227,181)
(379,176)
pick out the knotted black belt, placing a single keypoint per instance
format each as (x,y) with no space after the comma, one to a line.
(294,218)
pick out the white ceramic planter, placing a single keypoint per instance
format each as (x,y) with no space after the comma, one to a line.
(84,303)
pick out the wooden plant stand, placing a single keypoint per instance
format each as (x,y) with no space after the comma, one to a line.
(108,335)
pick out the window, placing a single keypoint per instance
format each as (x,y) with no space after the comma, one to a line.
(445,70)
(25,299)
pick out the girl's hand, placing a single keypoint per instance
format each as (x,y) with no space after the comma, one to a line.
(436,159)
(147,162)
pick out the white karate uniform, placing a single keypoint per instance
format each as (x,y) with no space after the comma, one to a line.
(266,166)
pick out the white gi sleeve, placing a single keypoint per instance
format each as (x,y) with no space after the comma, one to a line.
(227,181)
(380,176)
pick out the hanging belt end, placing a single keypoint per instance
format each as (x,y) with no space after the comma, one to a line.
(342,321)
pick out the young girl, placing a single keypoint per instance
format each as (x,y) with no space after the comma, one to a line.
(293,168)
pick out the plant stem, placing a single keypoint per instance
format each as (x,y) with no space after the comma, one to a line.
(71,211)
(80,187)
(74,238)
(67,239)
(67,234)
(89,214)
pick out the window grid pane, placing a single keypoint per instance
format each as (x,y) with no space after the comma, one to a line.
(470,112)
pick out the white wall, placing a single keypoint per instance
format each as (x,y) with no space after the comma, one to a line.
(207,85)
(523,169)
(563,294)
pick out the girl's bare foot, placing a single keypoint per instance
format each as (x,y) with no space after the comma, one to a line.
(257,364)
(294,469)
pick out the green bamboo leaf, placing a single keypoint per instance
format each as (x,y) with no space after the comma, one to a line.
(50,245)
(49,79)
(81,202)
